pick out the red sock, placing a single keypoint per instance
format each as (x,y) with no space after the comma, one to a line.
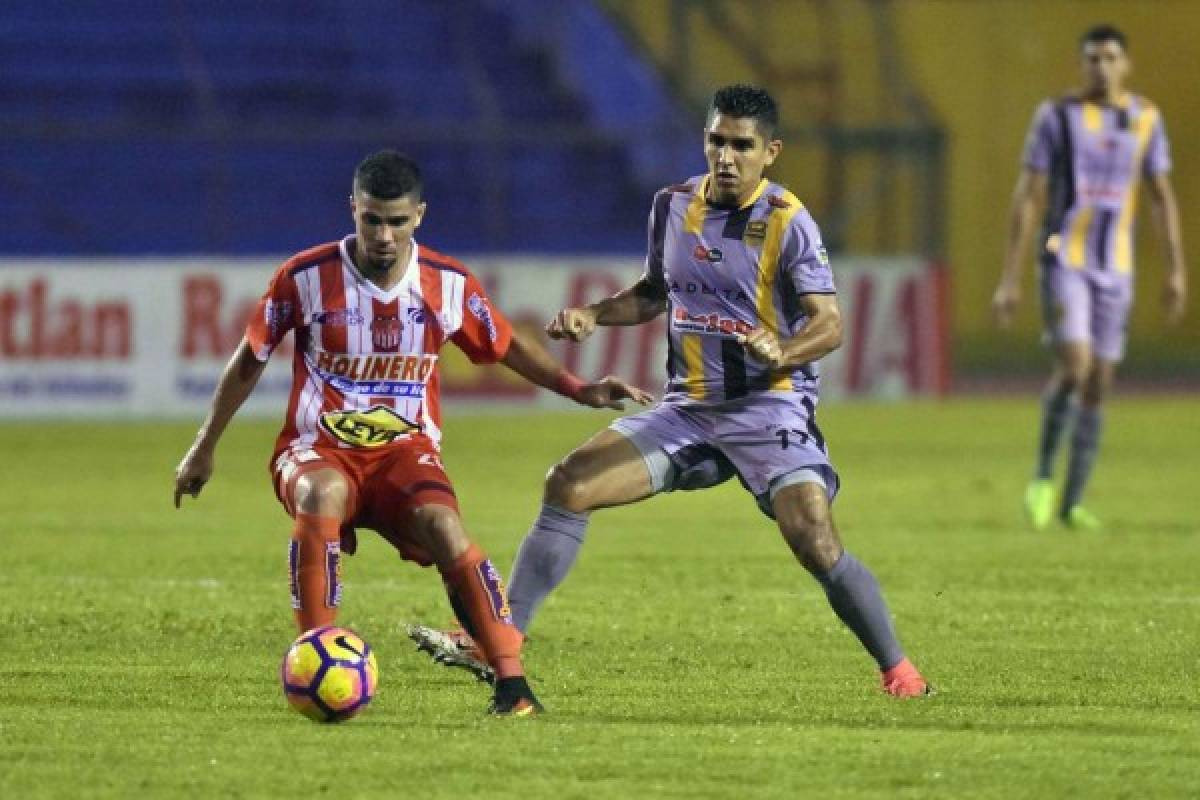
(315,566)
(481,589)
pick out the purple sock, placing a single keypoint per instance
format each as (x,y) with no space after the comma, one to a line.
(854,594)
(1085,444)
(1056,416)
(543,561)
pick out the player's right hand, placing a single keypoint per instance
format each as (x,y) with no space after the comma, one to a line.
(1004,304)
(611,392)
(575,324)
(193,472)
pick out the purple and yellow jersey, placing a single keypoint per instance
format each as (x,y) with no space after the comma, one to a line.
(1095,156)
(726,271)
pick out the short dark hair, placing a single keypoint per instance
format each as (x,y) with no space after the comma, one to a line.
(1103,33)
(746,101)
(387,175)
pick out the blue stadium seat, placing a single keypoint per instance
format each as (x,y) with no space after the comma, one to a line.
(141,126)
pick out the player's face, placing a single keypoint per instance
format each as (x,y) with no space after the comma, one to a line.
(737,155)
(384,228)
(1105,66)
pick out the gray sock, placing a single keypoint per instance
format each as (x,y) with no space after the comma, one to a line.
(1085,443)
(1056,415)
(854,594)
(545,558)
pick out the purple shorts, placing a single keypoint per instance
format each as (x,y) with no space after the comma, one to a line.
(1086,306)
(767,440)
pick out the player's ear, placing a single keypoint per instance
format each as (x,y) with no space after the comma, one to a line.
(420,214)
(773,149)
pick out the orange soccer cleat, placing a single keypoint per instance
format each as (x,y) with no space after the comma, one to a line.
(903,680)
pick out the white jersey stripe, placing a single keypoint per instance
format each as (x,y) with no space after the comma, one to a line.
(309,406)
(452,302)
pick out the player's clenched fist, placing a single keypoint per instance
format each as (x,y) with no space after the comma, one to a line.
(763,347)
(575,324)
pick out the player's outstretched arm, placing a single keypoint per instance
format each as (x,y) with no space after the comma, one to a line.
(1029,196)
(820,336)
(237,381)
(530,360)
(639,303)
(1166,215)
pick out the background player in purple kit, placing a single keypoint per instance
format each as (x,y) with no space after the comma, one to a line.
(737,264)
(1087,154)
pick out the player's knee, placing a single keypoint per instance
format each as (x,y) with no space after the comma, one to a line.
(567,489)
(1074,374)
(439,531)
(809,531)
(1097,387)
(323,493)
(816,546)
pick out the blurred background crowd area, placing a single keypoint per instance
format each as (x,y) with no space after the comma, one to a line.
(185,127)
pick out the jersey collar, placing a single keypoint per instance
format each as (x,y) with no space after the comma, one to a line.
(751,200)
(410,272)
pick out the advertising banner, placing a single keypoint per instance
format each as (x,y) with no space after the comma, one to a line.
(149,337)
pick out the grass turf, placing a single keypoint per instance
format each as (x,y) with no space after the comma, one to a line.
(687,655)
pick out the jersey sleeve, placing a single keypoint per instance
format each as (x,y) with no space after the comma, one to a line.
(803,258)
(485,333)
(1040,142)
(274,315)
(656,234)
(1158,150)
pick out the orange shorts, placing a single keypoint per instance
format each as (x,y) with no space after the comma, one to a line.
(386,486)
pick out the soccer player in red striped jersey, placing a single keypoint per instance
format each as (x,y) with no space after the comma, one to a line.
(1087,154)
(359,445)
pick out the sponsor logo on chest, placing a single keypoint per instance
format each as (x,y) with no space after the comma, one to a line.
(376,375)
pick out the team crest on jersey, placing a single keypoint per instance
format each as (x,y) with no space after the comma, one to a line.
(385,333)
(374,427)
(710,254)
(479,307)
(756,232)
(340,318)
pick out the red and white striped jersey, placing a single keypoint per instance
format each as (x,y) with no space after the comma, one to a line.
(365,370)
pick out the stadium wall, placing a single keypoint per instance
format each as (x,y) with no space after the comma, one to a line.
(982,66)
(108,338)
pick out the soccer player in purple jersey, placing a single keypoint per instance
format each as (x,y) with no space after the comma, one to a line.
(737,264)
(1086,154)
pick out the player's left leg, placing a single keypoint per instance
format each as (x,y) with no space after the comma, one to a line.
(1111,298)
(1067,314)
(1085,444)
(411,503)
(805,519)
(479,597)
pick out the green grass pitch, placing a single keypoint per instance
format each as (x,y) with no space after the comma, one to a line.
(688,656)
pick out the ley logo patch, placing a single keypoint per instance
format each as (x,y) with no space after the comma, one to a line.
(375,427)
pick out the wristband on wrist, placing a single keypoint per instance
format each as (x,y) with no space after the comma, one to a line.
(568,385)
